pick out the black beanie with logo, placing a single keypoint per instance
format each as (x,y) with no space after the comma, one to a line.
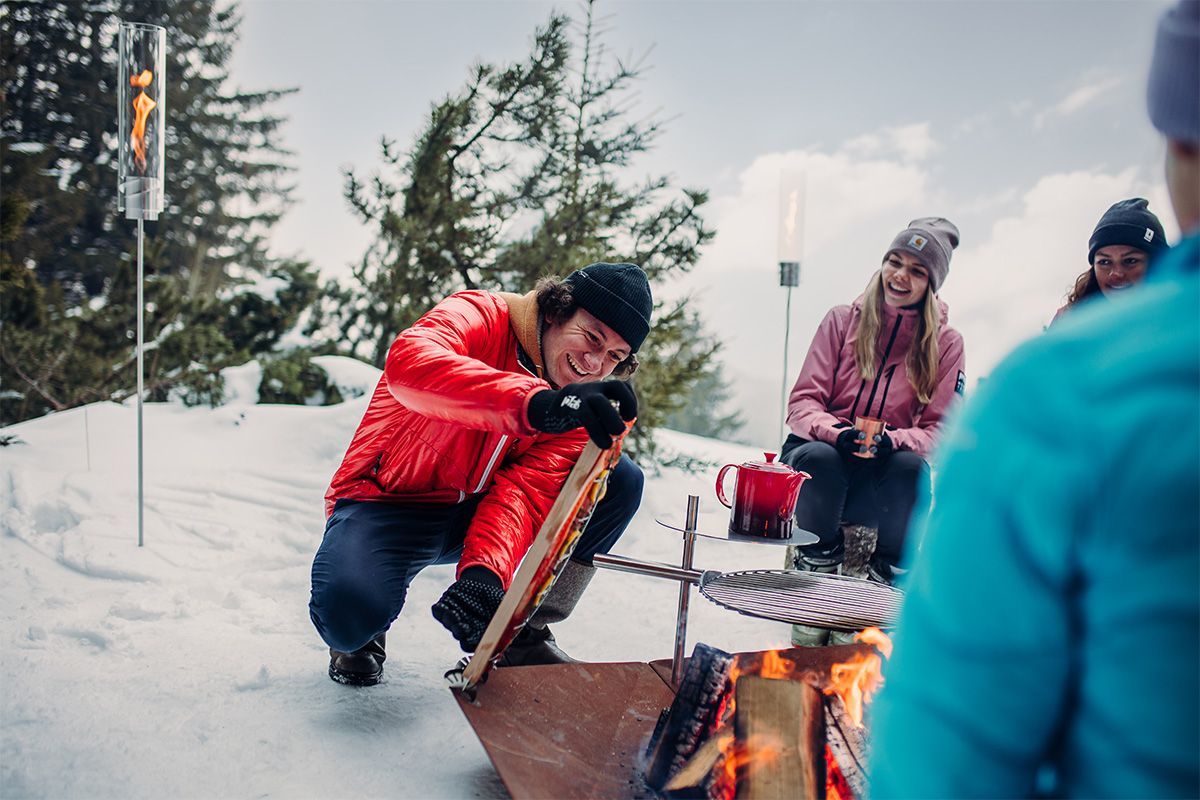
(1131,223)
(618,295)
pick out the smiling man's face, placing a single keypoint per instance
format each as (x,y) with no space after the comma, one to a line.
(580,349)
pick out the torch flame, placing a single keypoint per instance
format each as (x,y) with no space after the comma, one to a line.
(856,681)
(142,106)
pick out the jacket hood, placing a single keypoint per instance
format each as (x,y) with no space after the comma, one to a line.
(523,318)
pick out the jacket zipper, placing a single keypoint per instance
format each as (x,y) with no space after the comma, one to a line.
(878,375)
(891,373)
(487,471)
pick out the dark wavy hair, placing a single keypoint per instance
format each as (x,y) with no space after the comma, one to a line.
(556,302)
(1085,286)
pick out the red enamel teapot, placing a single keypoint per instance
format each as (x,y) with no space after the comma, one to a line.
(764,500)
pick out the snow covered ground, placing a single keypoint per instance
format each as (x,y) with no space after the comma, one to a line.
(189,668)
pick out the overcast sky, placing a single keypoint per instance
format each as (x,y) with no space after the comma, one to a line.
(1019,121)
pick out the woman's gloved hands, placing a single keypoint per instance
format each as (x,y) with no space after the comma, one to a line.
(852,441)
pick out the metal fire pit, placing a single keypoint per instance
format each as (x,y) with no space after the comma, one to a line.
(837,602)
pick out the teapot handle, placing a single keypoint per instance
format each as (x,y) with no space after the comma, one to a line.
(721,484)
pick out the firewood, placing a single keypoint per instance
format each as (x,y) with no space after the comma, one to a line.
(696,778)
(780,724)
(693,715)
(847,745)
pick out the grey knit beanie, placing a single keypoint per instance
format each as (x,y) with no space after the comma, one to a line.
(930,240)
(618,295)
(1173,91)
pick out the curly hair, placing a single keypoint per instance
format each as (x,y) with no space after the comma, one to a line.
(556,302)
(1086,285)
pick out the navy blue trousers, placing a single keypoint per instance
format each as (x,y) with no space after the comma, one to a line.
(880,493)
(371,551)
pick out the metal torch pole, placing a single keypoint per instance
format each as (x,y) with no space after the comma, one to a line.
(685,589)
(140,337)
(787,334)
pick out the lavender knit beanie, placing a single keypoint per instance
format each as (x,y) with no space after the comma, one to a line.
(1173,91)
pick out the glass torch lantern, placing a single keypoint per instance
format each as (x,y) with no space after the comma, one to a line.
(791,227)
(142,119)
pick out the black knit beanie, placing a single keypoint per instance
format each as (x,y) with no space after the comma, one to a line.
(618,295)
(1131,223)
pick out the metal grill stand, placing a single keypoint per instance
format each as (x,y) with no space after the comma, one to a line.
(808,598)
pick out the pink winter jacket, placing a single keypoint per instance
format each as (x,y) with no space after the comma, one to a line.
(830,390)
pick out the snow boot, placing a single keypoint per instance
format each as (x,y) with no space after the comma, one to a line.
(881,571)
(363,667)
(813,559)
(535,643)
(533,646)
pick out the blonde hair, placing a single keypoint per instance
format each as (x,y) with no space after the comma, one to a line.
(922,359)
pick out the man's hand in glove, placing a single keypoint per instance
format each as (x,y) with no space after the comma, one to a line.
(586,405)
(468,605)
(851,441)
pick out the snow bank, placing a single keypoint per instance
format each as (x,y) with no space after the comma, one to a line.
(189,668)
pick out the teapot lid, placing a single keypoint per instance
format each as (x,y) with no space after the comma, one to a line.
(769,465)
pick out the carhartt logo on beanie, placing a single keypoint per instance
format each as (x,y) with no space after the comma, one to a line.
(618,295)
(931,240)
(1130,223)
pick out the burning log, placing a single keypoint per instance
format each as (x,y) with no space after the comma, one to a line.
(693,717)
(779,723)
(846,743)
(779,726)
(701,777)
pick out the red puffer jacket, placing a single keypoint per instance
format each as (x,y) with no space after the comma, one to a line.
(448,420)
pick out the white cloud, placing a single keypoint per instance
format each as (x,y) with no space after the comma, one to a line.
(854,205)
(911,142)
(1004,285)
(1005,289)
(1079,98)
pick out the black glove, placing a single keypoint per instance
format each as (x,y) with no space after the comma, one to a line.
(851,441)
(883,446)
(587,405)
(469,604)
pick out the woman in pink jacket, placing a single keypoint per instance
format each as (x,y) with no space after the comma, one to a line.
(889,355)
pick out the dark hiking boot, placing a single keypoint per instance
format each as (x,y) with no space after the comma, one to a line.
(881,571)
(363,667)
(534,646)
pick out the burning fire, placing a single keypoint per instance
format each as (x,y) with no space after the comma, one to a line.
(746,756)
(856,681)
(142,106)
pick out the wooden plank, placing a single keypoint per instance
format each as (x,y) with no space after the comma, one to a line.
(568,730)
(780,731)
(695,777)
(551,547)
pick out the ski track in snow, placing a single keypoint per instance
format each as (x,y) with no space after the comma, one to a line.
(189,668)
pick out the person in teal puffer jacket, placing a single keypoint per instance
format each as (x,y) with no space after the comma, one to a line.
(1050,638)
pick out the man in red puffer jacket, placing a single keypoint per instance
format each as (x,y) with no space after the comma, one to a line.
(484,406)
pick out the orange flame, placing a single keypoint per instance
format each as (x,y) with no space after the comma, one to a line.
(856,681)
(747,756)
(142,106)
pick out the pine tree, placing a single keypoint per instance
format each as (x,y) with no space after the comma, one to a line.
(226,174)
(522,174)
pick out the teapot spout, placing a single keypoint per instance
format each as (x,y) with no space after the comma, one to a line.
(795,481)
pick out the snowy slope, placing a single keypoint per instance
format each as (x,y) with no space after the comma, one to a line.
(189,668)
